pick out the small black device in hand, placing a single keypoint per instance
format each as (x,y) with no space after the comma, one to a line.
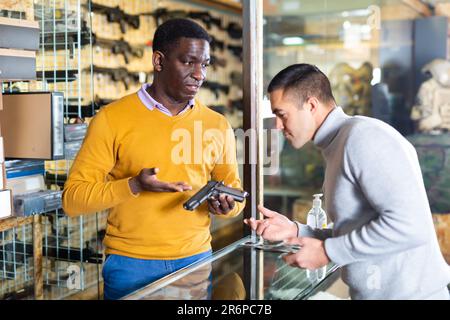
(211,190)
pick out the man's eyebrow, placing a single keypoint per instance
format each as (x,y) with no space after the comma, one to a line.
(195,58)
(276,110)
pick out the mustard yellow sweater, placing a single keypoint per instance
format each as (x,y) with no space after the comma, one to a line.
(125,137)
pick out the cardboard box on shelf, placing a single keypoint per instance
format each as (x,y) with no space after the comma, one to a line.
(38,116)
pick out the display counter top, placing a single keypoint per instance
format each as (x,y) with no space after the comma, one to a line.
(244,270)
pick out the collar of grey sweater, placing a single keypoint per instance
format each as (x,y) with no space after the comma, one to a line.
(330,128)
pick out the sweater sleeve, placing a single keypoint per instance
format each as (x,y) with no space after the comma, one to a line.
(87,189)
(306,231)
(226,169)
(387,171)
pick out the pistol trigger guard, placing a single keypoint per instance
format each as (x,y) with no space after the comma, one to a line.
(214,194)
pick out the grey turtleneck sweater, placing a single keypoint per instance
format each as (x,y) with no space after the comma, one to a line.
(383,234)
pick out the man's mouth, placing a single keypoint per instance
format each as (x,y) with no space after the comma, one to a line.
(193,87)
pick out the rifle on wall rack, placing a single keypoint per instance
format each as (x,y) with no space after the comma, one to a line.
(206,18)
(235,50)
(234,30)
(119,47)
(216,61)
(119,74)
(163,14)
(115,14)
(216,87)
(216,43)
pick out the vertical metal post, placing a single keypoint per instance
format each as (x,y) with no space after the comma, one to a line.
(24,250)
(252,94)
(55,64)
(92,95)
(66,65)
(14,251)
(37,258)
(44,86)
(80,76)
(46,251)
(81,252)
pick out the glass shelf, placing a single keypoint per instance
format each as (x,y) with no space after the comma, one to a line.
(230,273)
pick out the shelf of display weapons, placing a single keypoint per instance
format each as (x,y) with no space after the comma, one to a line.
(121,56)
(38,243)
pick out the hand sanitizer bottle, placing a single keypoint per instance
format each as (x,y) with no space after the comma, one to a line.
(317,219)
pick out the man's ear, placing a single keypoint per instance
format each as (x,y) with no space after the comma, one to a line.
(312,104)
(157,59)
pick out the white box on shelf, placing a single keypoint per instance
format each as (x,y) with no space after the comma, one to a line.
(26,184)
(5,204)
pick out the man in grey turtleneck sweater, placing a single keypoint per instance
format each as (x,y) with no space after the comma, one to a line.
(383,235)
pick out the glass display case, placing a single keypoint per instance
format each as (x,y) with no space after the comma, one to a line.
(246,269)
(94,52)
(379,58)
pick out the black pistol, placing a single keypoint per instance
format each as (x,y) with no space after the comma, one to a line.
(213,189)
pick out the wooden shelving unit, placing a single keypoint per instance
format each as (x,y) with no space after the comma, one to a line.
(14,222)
(222,4)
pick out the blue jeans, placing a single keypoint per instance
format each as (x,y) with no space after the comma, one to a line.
(124,275)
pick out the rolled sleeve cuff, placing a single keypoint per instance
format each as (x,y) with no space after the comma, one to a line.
(338,252)
(304,230)
(122,189)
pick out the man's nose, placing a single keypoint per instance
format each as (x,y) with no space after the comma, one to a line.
(279,124)
(198,73)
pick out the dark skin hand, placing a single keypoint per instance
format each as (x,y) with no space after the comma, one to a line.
(221,205)
(146,180)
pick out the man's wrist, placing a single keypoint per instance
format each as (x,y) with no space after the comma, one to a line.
(135,186)
(325,251)
(294,229)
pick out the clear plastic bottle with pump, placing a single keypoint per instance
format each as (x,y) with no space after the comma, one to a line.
(317,219)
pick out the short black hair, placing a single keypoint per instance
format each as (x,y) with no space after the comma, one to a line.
(308,81)
(172,30)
